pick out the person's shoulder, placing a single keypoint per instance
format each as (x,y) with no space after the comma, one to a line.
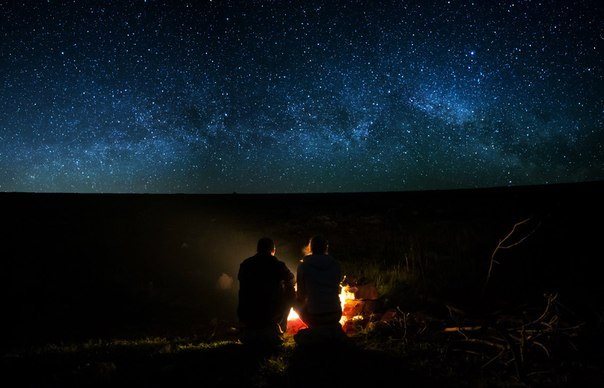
(321,257)
(282,268)
(331,260)
(248,261)
(304,261)
(280,264)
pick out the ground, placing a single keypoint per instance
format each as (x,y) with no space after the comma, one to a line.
(123,290)
(376,357)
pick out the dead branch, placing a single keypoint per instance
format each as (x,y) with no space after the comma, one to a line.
(501,353)
(551,298)
(456,329)
(503,244)
(542,346)
(482,342)
(516,351)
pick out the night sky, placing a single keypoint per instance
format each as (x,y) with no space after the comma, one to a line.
(298,96)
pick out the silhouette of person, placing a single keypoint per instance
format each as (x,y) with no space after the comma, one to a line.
(318,278)
(266,293)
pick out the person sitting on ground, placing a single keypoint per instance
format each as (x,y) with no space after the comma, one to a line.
(318,295)
(266,294)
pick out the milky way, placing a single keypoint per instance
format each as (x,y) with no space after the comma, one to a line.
(298,96)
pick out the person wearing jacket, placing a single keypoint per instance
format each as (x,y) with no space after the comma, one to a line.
(318,281)
(266,293)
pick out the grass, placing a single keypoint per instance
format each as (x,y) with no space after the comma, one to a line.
(148,345)
(387,279)
(372,357)
(412,348)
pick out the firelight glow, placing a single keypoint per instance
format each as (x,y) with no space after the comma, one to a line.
(346,295)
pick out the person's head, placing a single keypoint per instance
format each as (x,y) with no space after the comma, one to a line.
(266,246)
(319,245)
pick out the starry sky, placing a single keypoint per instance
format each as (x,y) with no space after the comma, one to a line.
(298,96)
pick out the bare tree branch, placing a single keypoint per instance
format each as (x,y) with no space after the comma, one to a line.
(502,245)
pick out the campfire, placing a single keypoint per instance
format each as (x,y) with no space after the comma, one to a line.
(352,310)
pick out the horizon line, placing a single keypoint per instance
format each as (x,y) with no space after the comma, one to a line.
(457,189)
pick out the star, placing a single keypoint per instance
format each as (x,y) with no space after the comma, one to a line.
(210,97)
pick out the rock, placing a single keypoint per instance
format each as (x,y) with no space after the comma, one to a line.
(353,308)
(225,282)
(294,326)
(367,292)
(389,315)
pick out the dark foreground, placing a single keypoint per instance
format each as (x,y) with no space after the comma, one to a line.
(368,360)
(123,289)
(158,362)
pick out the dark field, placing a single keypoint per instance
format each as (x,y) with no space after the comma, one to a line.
(123,289)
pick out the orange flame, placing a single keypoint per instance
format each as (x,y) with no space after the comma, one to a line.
(293,315)
(346,296)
